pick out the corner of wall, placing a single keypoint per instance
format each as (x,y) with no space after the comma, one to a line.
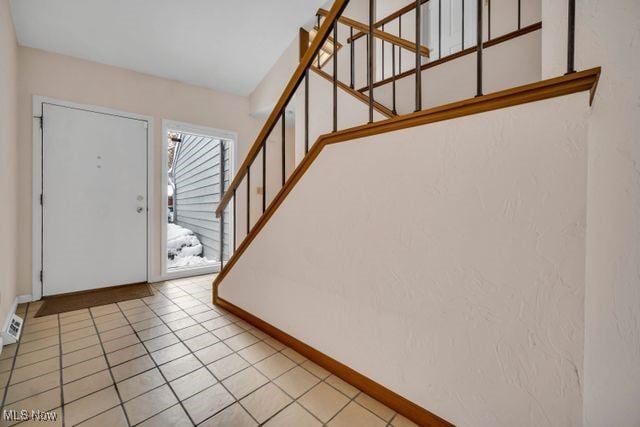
(8,160)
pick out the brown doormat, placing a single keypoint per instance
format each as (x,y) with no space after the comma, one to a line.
(85,299)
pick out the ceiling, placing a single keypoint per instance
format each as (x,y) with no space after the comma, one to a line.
(225,45)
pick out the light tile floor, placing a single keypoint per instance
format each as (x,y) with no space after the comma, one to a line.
(172,359)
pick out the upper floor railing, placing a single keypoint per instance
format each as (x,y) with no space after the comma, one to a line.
(328,23)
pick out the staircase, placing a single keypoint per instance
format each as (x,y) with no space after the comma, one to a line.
(393,100)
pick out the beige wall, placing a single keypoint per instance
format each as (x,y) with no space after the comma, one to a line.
(85,82)
(8,211)
(452,254)
(608,35)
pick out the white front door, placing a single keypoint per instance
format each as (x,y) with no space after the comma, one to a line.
(94,213)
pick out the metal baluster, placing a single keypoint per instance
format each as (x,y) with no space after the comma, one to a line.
(382,43)
(248,197)
(393,81)
(234,220)
(519,14)
(439,29)
(264,175)
(488,19)
(571,38)
(479,50)
(317,31)
(400,50)
(370,60)
(306,111)
(222,213)
(283,145)
(418,60)
(335,76)
(462,45)
(352,56)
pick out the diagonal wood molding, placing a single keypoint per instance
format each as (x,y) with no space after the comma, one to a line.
(377,33)
(358,95)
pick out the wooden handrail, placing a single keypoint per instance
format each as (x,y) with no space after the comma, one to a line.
(406,44)
(288,92)
(406,9)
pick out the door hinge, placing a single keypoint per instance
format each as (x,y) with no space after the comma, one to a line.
(41,276)
(41,199)
(41,118)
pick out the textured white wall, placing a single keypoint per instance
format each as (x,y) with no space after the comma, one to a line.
(8,149)
(445,262)
(608,34)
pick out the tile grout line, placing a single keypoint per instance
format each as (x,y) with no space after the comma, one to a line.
(115,384)
(204,365)
(251,365)
(156,367)
(167,302)
(61,378)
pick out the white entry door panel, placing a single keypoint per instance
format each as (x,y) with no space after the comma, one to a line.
(94,170)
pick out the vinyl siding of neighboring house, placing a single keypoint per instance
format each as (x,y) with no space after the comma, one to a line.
(196,174)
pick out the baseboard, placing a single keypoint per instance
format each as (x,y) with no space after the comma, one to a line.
(404,407)
(25,298)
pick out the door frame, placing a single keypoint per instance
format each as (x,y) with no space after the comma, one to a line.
(36,174)
(194,130)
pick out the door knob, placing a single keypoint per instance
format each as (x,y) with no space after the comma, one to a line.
(139,209)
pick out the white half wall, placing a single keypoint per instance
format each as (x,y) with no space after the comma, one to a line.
(445,262)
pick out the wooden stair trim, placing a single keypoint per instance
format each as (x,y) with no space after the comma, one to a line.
(379,392)
(406,44)
(287,94)
(559,86)
(403,10)
(493,42)
(356,94)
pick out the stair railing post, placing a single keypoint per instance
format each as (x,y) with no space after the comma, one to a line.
(382,54)
(283,145)
(418,59)
(248,198)
(462,43)
(479,50)
(400,50)
(370,59)
(306,111)
(264,175)
(519,14)
(222,160)
(393,81)
(439,29)
(234,219)
(352,59)
(335,76)
(571,37)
